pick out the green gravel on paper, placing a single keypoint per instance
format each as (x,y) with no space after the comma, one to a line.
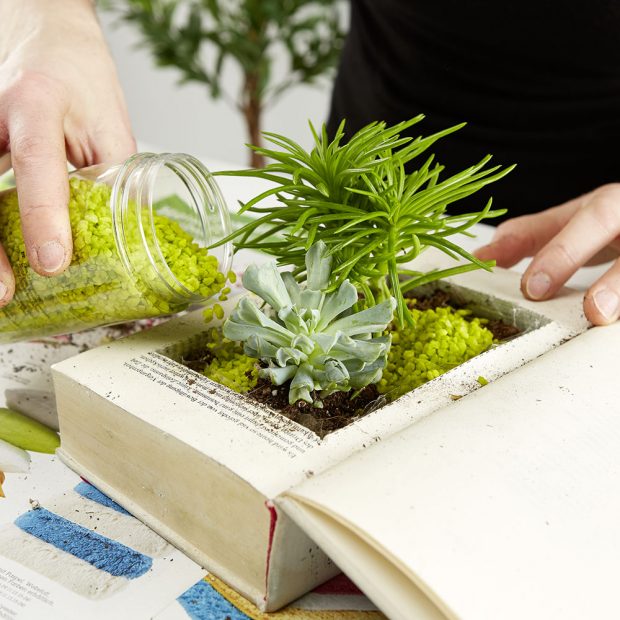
(96,288)
(442,339)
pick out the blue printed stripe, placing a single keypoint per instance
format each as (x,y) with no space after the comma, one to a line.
(99,551)
(90,492)
(203,602)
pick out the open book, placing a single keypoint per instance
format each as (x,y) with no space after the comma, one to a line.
(435,507)
(504,505)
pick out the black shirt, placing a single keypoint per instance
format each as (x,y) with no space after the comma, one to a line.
(537,81)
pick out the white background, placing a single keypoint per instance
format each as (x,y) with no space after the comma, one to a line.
(185,118)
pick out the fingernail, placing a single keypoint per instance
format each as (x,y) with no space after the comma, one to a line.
(538,285)
(3,290)
(50,256)
(607,303)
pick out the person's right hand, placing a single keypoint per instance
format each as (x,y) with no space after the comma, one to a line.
(59,100)
(583,231)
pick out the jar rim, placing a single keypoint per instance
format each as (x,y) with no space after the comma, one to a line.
(140,173)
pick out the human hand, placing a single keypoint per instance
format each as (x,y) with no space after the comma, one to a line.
(583,231)
(59,100)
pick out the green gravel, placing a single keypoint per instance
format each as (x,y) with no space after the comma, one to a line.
(229,365)
(441,339)
(96,288)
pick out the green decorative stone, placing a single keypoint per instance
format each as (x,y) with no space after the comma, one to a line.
(229,365)
(442,339)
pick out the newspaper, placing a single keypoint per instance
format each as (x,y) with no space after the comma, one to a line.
(66,552)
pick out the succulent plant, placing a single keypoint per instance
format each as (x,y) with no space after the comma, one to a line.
(314,339)
(354,194)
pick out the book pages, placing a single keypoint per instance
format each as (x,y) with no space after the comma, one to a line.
(394,591)
(504,505)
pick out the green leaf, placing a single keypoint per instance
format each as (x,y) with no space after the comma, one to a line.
(367,321)
(357,199)
(26,433)
(318,267)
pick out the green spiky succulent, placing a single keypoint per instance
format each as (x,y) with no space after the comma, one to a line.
(313,339)
(374,217)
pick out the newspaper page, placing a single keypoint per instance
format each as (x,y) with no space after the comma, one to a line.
(66,550)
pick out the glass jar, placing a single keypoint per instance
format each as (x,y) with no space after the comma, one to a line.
(140,232)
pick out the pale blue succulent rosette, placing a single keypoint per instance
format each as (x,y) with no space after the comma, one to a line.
(313,338)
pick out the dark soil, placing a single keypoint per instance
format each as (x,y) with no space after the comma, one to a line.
(502,331)
(338,410)
(439,299)
(196,360)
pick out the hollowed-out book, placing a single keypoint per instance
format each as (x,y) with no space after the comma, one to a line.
(454,500)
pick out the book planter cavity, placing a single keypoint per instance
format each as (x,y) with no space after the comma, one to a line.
(306,346)
(349,220)
(364,325)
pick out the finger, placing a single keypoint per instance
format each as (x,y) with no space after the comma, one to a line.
(113,146)
(37,147)
(601,303)
(7,279)
(590,230)
(606,255)
(523,236)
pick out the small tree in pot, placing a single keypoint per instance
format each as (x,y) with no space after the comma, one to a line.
(200,37)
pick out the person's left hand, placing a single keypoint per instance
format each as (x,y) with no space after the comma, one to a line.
(583,231)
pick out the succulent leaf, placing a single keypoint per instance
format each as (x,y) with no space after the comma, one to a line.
(312,338)
(277,374)
(266,282)
(318,267)
(290,317)
(260,348)
(337,304)
(370,320)
(365,350)
(289,355)
(248,315)
(292,287)
(310,299)
(302,384)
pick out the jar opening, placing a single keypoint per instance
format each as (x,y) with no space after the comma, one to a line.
(166,207)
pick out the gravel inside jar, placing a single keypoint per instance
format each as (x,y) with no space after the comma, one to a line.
(96,288)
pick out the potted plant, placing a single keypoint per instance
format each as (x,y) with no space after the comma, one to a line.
(349,222)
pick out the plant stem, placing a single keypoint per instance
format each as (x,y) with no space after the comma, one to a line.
(252,111)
